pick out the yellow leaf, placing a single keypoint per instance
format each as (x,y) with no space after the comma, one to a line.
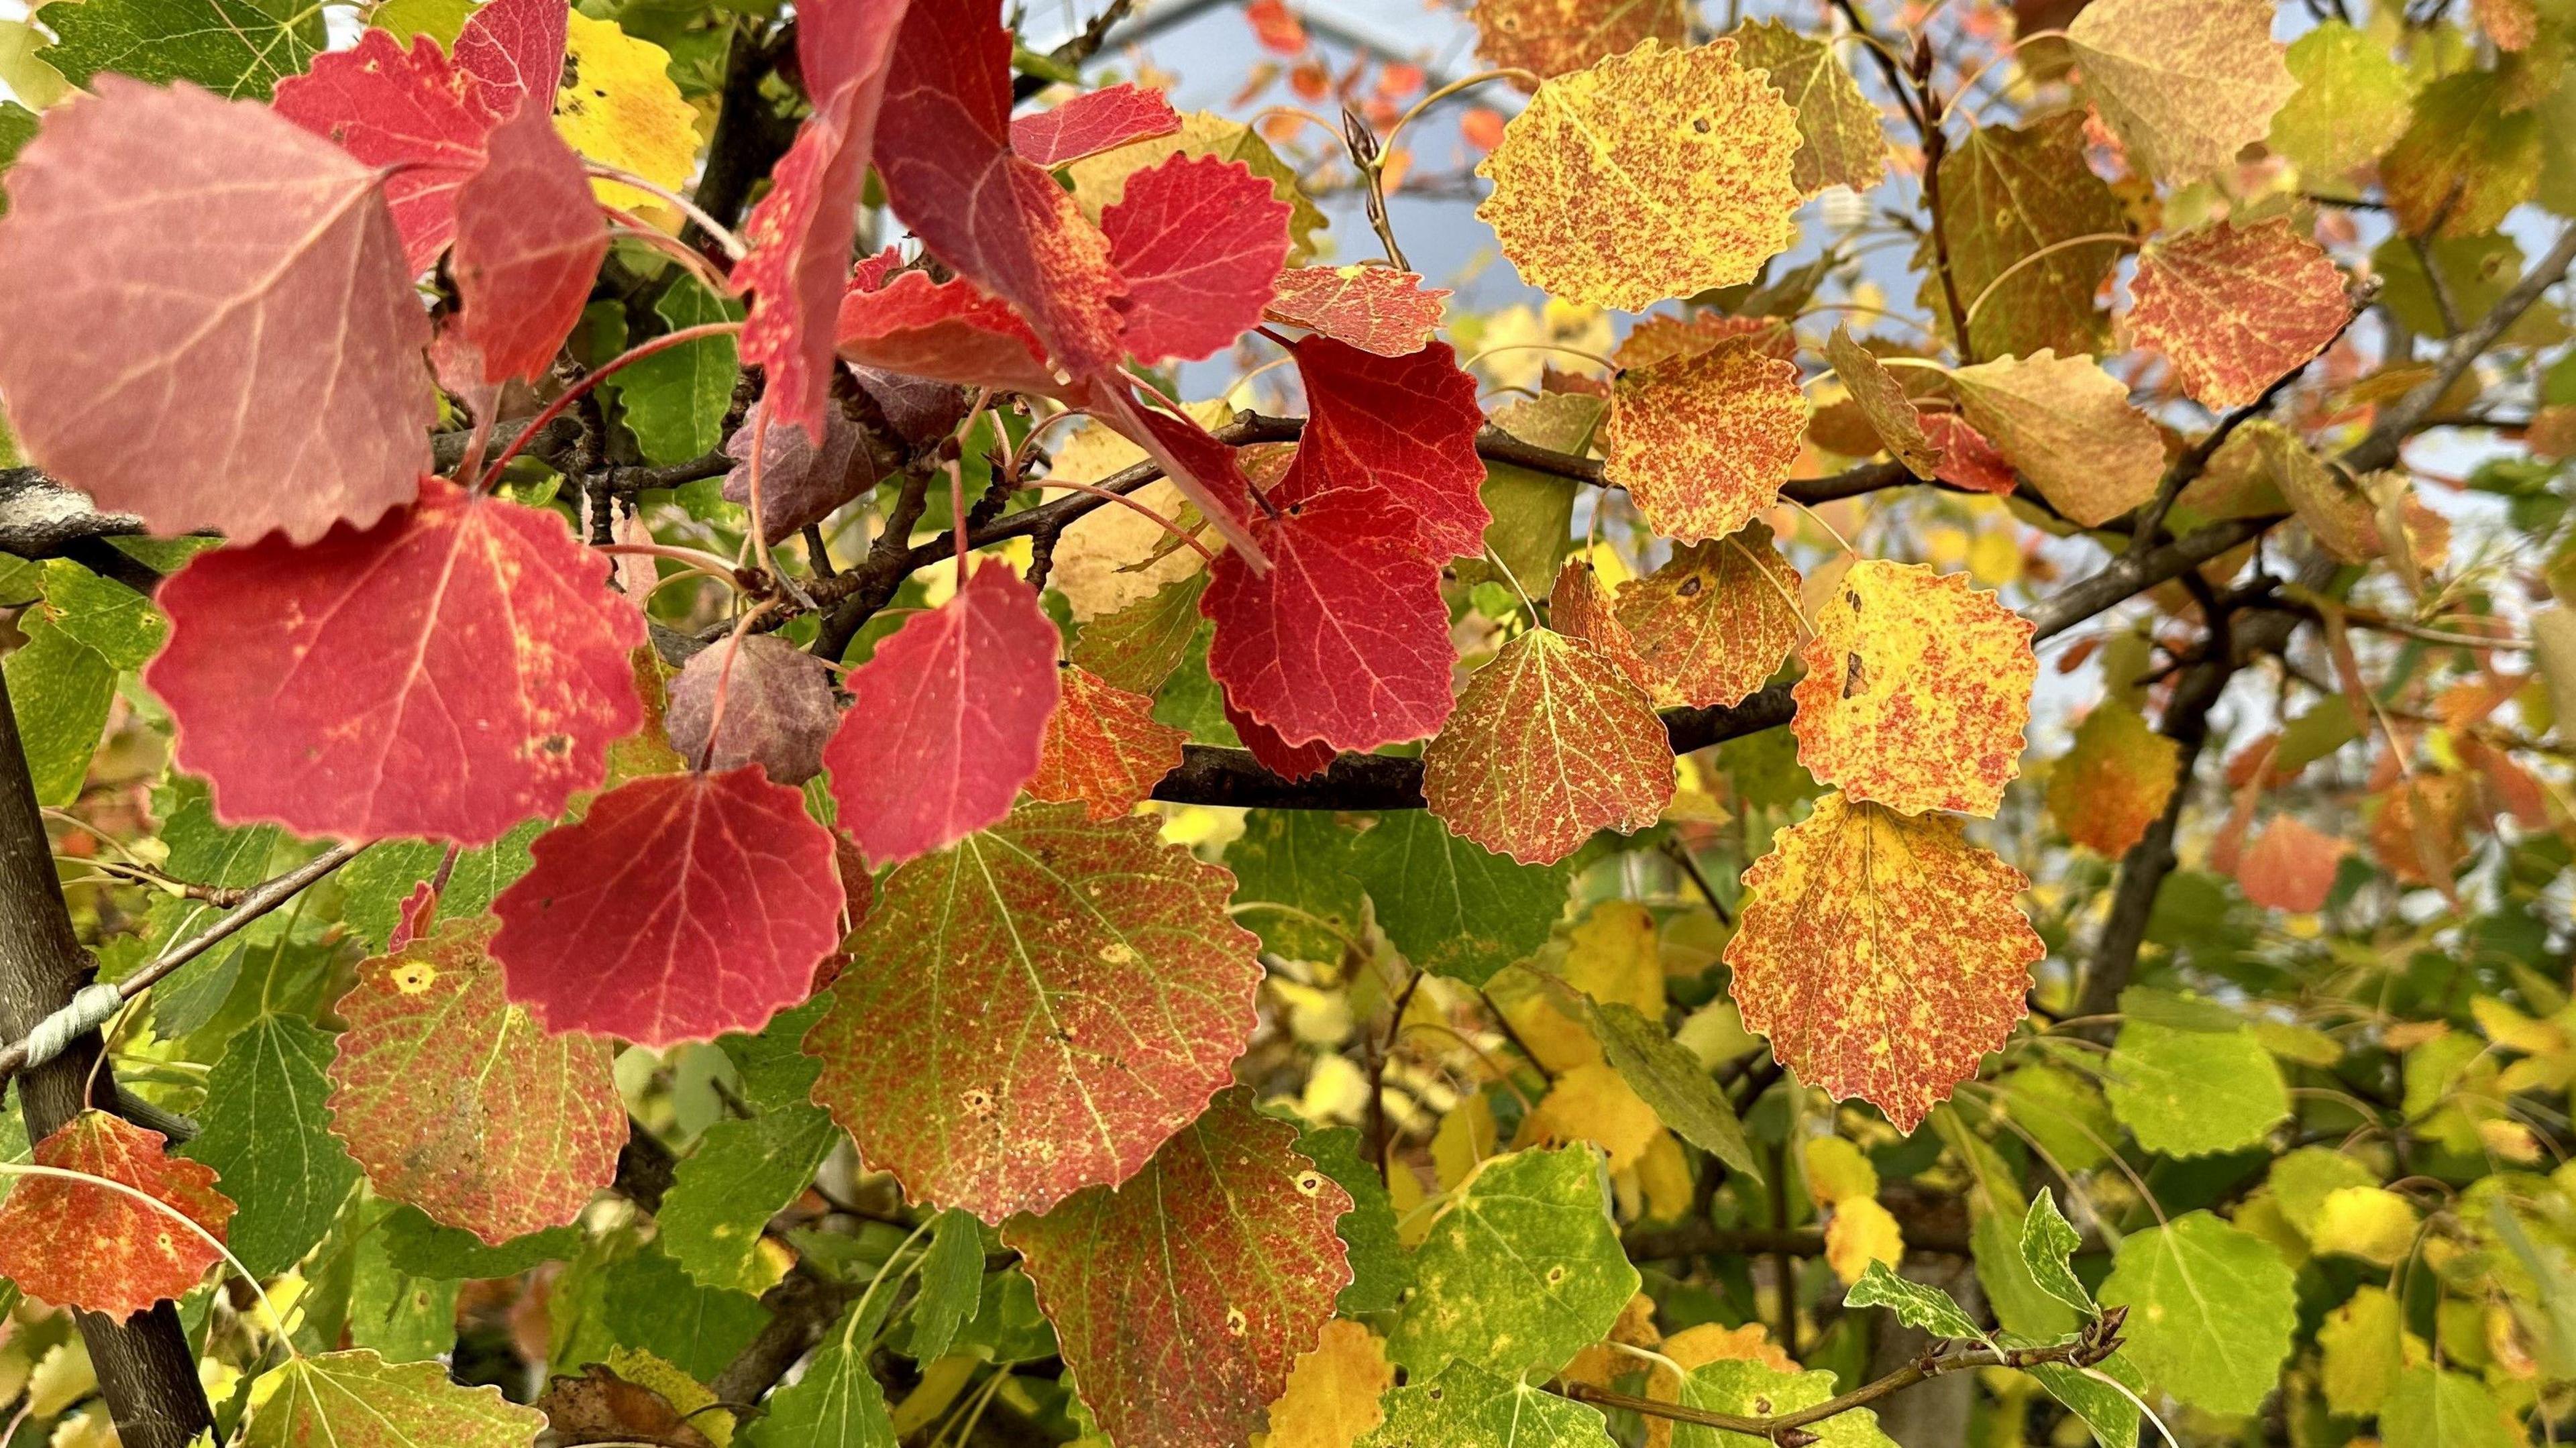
(685,1394)
(1612,958)
(2363,1343)
(2068,427)
(1664,1176)
(1861,1232)
(2186,83)
(1882,400)
(619,107)
(1593,1103)
(1466,1137)
(2372,1223)
(1106,559)
(2115,782)
(1715,1034)
(1713,1342)
(1551,37)
(1712,625)
(1654,174)
(1917,690)
(1332,1393)
(1837,1171)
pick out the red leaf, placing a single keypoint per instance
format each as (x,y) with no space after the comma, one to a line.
(1093,122)
(799,482)
(1035,1010)
(778,709)
(1209,1274)
(1199,240)
(800,232)
(425,117)
(1404,426)
(682,906)
(1291,762)
(77,1245)
(946,720)
(1967,459)
(947,330)
(528,244)
(1374,308)
(449,673)
(2237,308)
(216,334)
(419,911)
(1104,747)
(1346,639)
(455,1101)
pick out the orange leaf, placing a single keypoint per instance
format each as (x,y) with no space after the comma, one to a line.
(2291,866)
(2115,782)
(1714,623)
(1549,743)
(2235,310)
(1104,747)
(77,1245)
(1579,607)
(1704,441)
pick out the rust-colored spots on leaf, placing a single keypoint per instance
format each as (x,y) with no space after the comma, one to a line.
(1104,747)
(2115,781)
(2235,309)
(77,1245)
(1374,308)
(1714,623)
(1550,742)
(1703,442)
(1552,37)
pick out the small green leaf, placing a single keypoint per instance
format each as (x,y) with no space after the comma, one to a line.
(648,1302)
(1468,1407)
(952,1279)
(2104,1409)
(1755,1391)
(2194,1092)
(1521,1270)
(106,615)
(2048,1243)
(2430,1408)
(742,1174)
(676,400)
(268,1138)
(405,1317)
(2211,1310)
(17,128)
(1293,882)
(776,1073)
(838,1402)
(379,881)
(1672,1081)
(60,689)
(1380,1267)
(423,1248)
(1916,1304)
(1452,907)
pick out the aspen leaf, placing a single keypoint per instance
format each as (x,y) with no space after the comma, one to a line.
(1882,400)
(236,48)
(2429,1408)
(1452,906)
(1861,1235)
(1842,144)
(1657,173)
(2048,1243)
(723,1194)
(1402,426)
(1197,241)
(76,1245)
(358,1400)
(2008,195)
(1881,955)
(1333,1393)
(2211,1310)
(2114,782)
(1520,1270)
(2467,158)
(1464,1406)
(2068,426)
(1579,607)
(1593,1103)
(2236,310)
(268,1138)
(949,330)
(1669,1079)
(2361,1350)
(1104,747)
(1703,442)
(1137,646)
(619,106)
(528,245)
(1837,1171)
(2192,1092)
(1034,1010)
(1752,1389)
(1968,462)
(2186,83)
(1291,762)
(1100,180)
(129,389)
(1917,690)
(1661,337)
(1549,743)
(1109,559)
(1374,308)
(1715,622)
(2351,105)
(1916,1304)
(778,709)
(2291,865)
(452,1099)
(1211,1272)
(1552,37)
(1093,122)
(2369,1222)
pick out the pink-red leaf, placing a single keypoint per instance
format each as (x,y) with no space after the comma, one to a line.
(77,1245)
(1210,1274)
(449,673)
(1035,1010)
(1199,240)
(681,907)
(528,244)
(947,330)
(205,318)
(1291,762)
(1374,308)
(1402,426)
(1093,122)
(1104,747)
(947,720)
(455,1101)
(1967,460)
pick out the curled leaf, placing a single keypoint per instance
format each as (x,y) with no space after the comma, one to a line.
(778,709)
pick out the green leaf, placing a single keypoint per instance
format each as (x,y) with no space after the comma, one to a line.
(1521,1270)
(1380,1268)
(742,1174)
(676,400)
(1007,1326)
(269,1139)
(421,1247)
(2048,1243)
(202,852)
(2104,1409)
(1190,700)
(838,1403)
(1755,1391)
(2211,1310)
(1672,1081)
(358,1400)
(2020,1304)
(2008,193)
(2064,1113)
(952,1280)
(1916,1304)
(1452,907)
(2351,104)
(2193,1092)
(17,128)
(2362,1350)
(231,47)
(776,1073)
(1293,882)
(106,615)
(648,1302)
(2430,1408)
(60,689)
(405,1317)
(1139,646)
(378,882)
(1468,1407)
(2302,1180)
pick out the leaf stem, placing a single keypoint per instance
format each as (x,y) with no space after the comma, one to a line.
(722,234)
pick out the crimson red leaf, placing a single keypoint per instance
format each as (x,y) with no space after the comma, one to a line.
(1104,747)
(682,906)
(1036,1009)
(448,673)
(1198,240)
(778,710)
(1093,122)
(1967,459)
(1291,762)
(1405,426)
(218,333)
(946,720)
(1209,1275)
(511,48)
(1346,639)
(529,241)
(1374,308)
(947,330)
(800,232)
(455,1101)
(77,1245)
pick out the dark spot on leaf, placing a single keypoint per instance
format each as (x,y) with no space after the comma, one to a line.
(1855,676)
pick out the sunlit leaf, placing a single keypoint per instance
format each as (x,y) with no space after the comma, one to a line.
(1704,441)
(1716,621)
(1374,308)
(2211,1310)
(2068,426)
(2186,83)
(1549,743)
(1842,145)
(2237,309)
(358,1400)
(76,1245)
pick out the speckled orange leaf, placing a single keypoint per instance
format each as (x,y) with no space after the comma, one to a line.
(2114,782)
(1662,338)
(77,1245)
(2235,310)
(1703,442)
(1657,173)
(2186,83)
(1579,607)
(1552,37)
(1713,624)
(1104,747)
(2068,426)
(1549,743)
(2291,866)
(1917,690)
(1374,308)
(1881,399)
(2421,831)
(1881,955)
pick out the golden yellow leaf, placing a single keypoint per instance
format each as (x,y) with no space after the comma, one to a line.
(1466,1136)
(1551,37)
(1882,955)
(1837,1171)
(2115,781)
(2186,83)
(1612,957)
(1714,1342)
(1713,623)
(1593,1103)
(1664,1175)
(2372,1223)
(1106,559)
(1703,442)
(2068,426)
(1654,174)
(1332,1393)
(619,107)
(1861,1232)
(1917,690)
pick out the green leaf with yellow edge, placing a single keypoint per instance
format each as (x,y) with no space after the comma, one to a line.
(1100,181)
(1519,1271)
(2303,1179)
(2465,161)
(2115,781)
(2362,1350)
(1293,883)
(2211,1311)
(2189,1092)
(269,1139)
(2009,193)
(2186,83)
(2431,1408)
(1753,1390)
(2048,1243)
(1916,1304)
(60,690)
(742,1174)
(358,1400)
(1453,907)
(1464,1406)
(2351,105)
(1842,143)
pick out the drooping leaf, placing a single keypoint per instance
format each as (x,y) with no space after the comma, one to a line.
(1714,623)
(2069,428)
(367,649)
(1670,1079)
(2105,1409)
(1552,37)
(947,720)
(1464,1406)
(1882,955)
(1104,747)
(1197,241)
(2350,107)
(1916,1304)
(1093,122)
(1518,1271)
(528,244)
(1034,1009)
(2048,1242)
(742,1174)
(1754,1389)
(2186,83)
(1404,427)
(2192,1092)
(1882,400)
(358,1400)
(778,709)
(453,1100)
(2009,193)
(76,1245)
(1210,1272)
(2114,782)
(1841,144)
(952,1282)
(2211,1310)
(2235,309)
(267,1136)
(1374,308)
(1917,690)
(1704,441)
(801,483)
(129,389)
(1453,907)
(60,691)
(1657,173)
(1549,743)
(1291,762)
